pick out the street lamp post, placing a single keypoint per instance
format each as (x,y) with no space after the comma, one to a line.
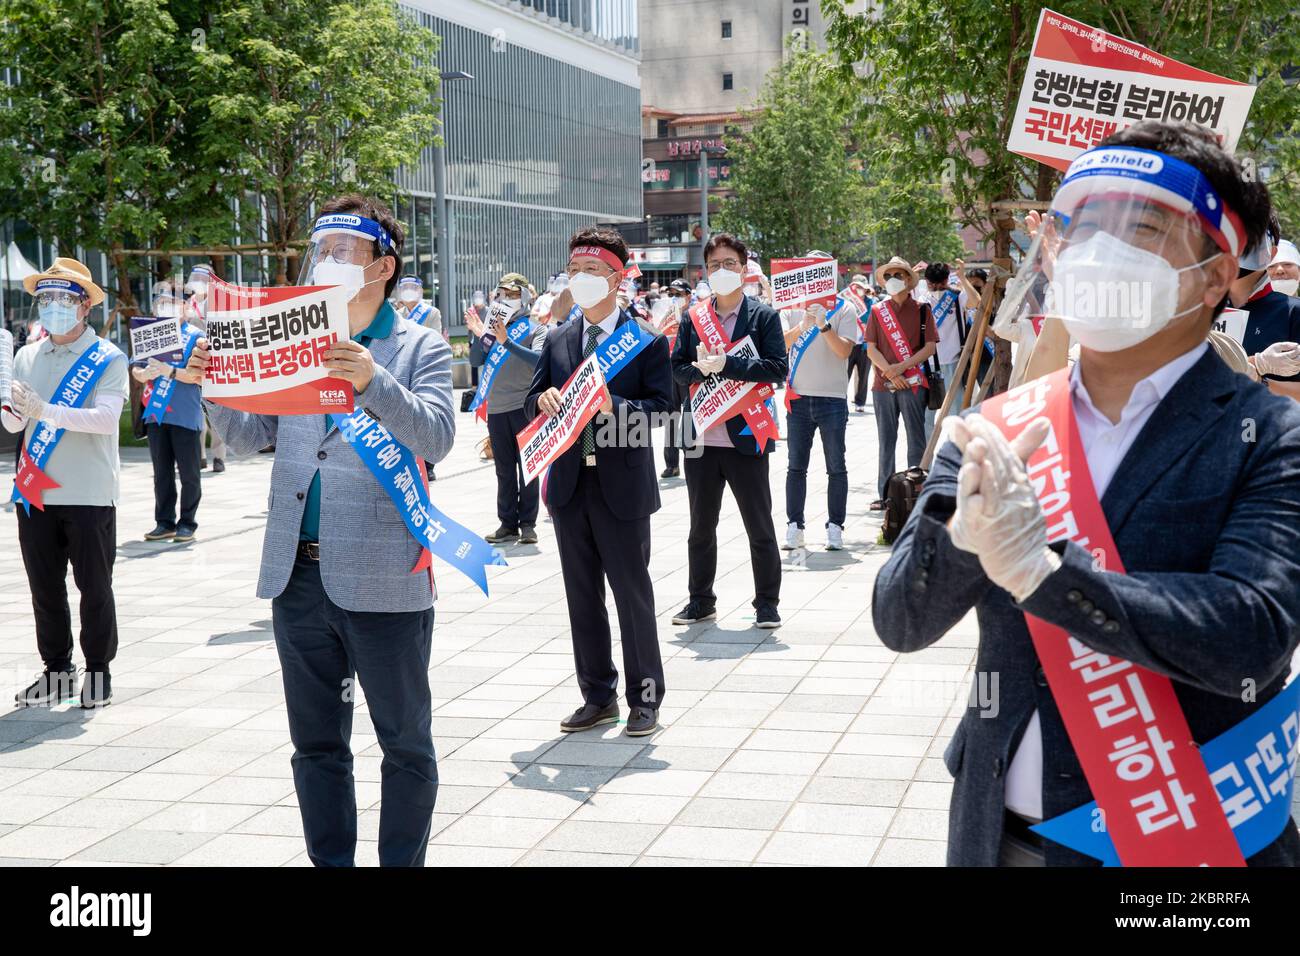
(704,204)
(446,253)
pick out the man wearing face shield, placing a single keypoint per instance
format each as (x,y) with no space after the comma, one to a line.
(414,307)
(1272,338)
(517,501)
(730,457)
(67,513)
(1167,488)
(174,441)
(337,558)
(601,494)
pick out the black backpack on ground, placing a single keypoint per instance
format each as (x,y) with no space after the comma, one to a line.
(901,491)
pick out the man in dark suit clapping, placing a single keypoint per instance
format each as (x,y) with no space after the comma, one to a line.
(602,491)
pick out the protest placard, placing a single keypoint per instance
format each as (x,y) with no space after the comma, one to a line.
(269,347)
(6,369)
(156,338)
(716,398)
(547,438)
(799,282)
(1082,84)
(1232,323)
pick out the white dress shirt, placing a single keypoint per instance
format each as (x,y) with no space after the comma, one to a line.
(1104,445)
(606,326)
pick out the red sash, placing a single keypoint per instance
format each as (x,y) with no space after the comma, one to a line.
(1124,721)
(898,341)
(754,405)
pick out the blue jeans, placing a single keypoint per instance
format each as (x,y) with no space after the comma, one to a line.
(808,414)
(323,649)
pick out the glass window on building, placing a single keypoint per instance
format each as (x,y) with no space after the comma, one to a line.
(726,29)
(726,81)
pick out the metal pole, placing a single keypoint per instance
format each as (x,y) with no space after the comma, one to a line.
(704,203)
(445,269)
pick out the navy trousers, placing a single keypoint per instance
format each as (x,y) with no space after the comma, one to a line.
(517,502)
(323,651)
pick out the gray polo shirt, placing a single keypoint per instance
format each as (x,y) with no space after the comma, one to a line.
(515,375)
(85,466)
(822,373)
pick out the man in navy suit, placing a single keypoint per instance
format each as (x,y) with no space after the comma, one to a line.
(602,492)
(730,457)
(1197,471)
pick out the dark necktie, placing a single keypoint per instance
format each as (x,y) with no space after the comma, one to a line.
(589,433)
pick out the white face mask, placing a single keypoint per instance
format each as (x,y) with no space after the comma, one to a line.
(1286,286)
(724,281)
(588,290)
(752,289)
(410,295)
(895,285)
(347,274)
(1112,295)
(168,311)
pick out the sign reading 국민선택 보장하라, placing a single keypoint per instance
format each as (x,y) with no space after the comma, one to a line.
(1082,84)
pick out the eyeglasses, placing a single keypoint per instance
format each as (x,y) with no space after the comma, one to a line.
(346,249)
(598,269)
(733,264)
(47,299)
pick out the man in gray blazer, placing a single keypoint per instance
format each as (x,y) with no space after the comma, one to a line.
(337,557)
(1196,472)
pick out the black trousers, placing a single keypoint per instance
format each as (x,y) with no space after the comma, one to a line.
(174,449)
(596,544)
(675,433)
(746,476)
(323,649)
(860,362)
(86,535)
(516,501)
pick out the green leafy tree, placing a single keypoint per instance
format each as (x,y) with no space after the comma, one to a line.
(798,184)
(313,97)
(907,216)
(96,152)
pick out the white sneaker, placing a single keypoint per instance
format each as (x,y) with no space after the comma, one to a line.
(793,537)
(834,538)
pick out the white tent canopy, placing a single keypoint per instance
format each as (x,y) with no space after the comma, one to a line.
(15,267)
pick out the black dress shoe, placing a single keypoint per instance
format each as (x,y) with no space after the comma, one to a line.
(96,688)
(184,533)
(160,533)
(642,722)
(695,611)
(50,688)
(502,535)
(590,715)
(527,534)
(765,616)
(670,473)
(218,466)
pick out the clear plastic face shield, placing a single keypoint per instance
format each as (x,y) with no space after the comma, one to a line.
(1124,251)
(409,291)
(59,304)
(344,250)
(166,305)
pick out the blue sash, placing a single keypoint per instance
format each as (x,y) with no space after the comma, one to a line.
(944,307)
(1252,767)
(970,324)
(620,348)
(575,311)
(805,340)
(156,410)
(495,358)
(398,473)
(72,392)
(419,312)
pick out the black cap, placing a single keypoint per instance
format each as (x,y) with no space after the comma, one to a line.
(680,285)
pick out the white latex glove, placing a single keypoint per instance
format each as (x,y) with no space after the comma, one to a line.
(998,517)
(710,364)
(1280,358)
(155,369)
(26,402)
